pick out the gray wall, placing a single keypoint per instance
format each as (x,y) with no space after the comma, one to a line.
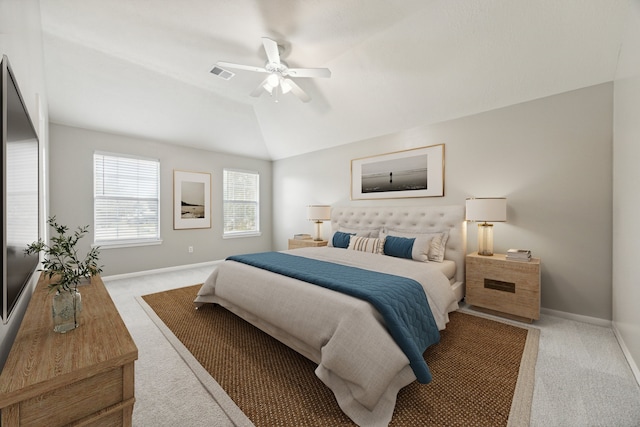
(551,158)
(71,184)
(21,41)
(626,198)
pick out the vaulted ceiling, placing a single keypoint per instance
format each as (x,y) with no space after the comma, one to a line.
(142,67)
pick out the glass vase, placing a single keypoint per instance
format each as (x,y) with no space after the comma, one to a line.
(65,308)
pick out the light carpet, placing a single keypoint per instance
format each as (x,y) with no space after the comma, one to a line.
(483,370)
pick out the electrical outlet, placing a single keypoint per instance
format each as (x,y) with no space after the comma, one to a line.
(190,249)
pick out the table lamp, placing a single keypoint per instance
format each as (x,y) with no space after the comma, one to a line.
(318,213)
(486,210)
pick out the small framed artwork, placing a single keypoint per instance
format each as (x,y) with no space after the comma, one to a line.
(418,172)
(191,200)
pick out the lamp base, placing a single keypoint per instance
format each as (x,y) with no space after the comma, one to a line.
(318,238)
(485,239)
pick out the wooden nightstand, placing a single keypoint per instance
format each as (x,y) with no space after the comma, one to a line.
(507,288)
(306,243)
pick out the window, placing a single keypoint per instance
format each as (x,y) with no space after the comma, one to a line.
(126,203)
(241,204)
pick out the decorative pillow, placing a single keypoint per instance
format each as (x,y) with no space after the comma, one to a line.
(428,246)
(361,232)
(341,240)
(400,247)
(421,245)
(438,246)
(366,244)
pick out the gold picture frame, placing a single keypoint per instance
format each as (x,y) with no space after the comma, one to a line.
(191,200)
(416,172)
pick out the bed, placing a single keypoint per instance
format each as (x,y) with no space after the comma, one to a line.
(348,337)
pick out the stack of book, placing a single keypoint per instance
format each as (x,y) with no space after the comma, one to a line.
(302,236)
(519,255)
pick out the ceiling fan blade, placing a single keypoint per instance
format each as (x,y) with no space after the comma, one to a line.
(297,90)
(309,72)
(241,67)
(271,48)
(259,89)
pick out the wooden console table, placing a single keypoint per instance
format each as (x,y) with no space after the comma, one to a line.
(83,377)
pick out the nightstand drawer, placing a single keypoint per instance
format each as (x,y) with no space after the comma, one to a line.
(508,287)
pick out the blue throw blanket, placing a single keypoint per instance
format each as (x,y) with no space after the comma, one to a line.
(401,301)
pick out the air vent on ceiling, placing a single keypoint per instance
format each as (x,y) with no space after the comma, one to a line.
(222,73)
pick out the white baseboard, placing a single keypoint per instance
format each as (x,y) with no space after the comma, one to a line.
(577,317)
(627,353)
(160,270)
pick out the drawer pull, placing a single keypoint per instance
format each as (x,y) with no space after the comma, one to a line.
(499,285)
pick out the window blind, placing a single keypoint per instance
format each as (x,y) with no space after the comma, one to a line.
(126,199)
(241,202)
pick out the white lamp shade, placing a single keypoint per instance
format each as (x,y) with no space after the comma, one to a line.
(319,213)
(486,209)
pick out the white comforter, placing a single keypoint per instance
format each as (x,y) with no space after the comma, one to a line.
(357,358)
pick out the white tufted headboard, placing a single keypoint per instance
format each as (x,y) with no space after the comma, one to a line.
(411,218)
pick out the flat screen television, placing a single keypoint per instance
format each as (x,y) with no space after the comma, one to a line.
(20,186)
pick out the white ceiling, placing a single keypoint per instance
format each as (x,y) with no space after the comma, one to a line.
(141,67)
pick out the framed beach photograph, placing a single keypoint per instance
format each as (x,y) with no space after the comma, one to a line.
(191,200)
(418,172)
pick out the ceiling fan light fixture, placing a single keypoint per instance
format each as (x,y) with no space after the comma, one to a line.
(273,80)
(286,87)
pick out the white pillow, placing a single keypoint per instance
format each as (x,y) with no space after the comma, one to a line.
(361,232)
(438,247)
(366,244)
(428,246)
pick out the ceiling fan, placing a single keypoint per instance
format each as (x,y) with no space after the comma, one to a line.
(279,81)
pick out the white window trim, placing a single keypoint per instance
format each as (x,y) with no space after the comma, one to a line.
(115,244)
(242,234)
(239,234)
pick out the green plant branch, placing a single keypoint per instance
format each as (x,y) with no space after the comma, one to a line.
(62,261)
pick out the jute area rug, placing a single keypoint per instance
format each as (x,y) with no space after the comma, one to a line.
(483,370)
